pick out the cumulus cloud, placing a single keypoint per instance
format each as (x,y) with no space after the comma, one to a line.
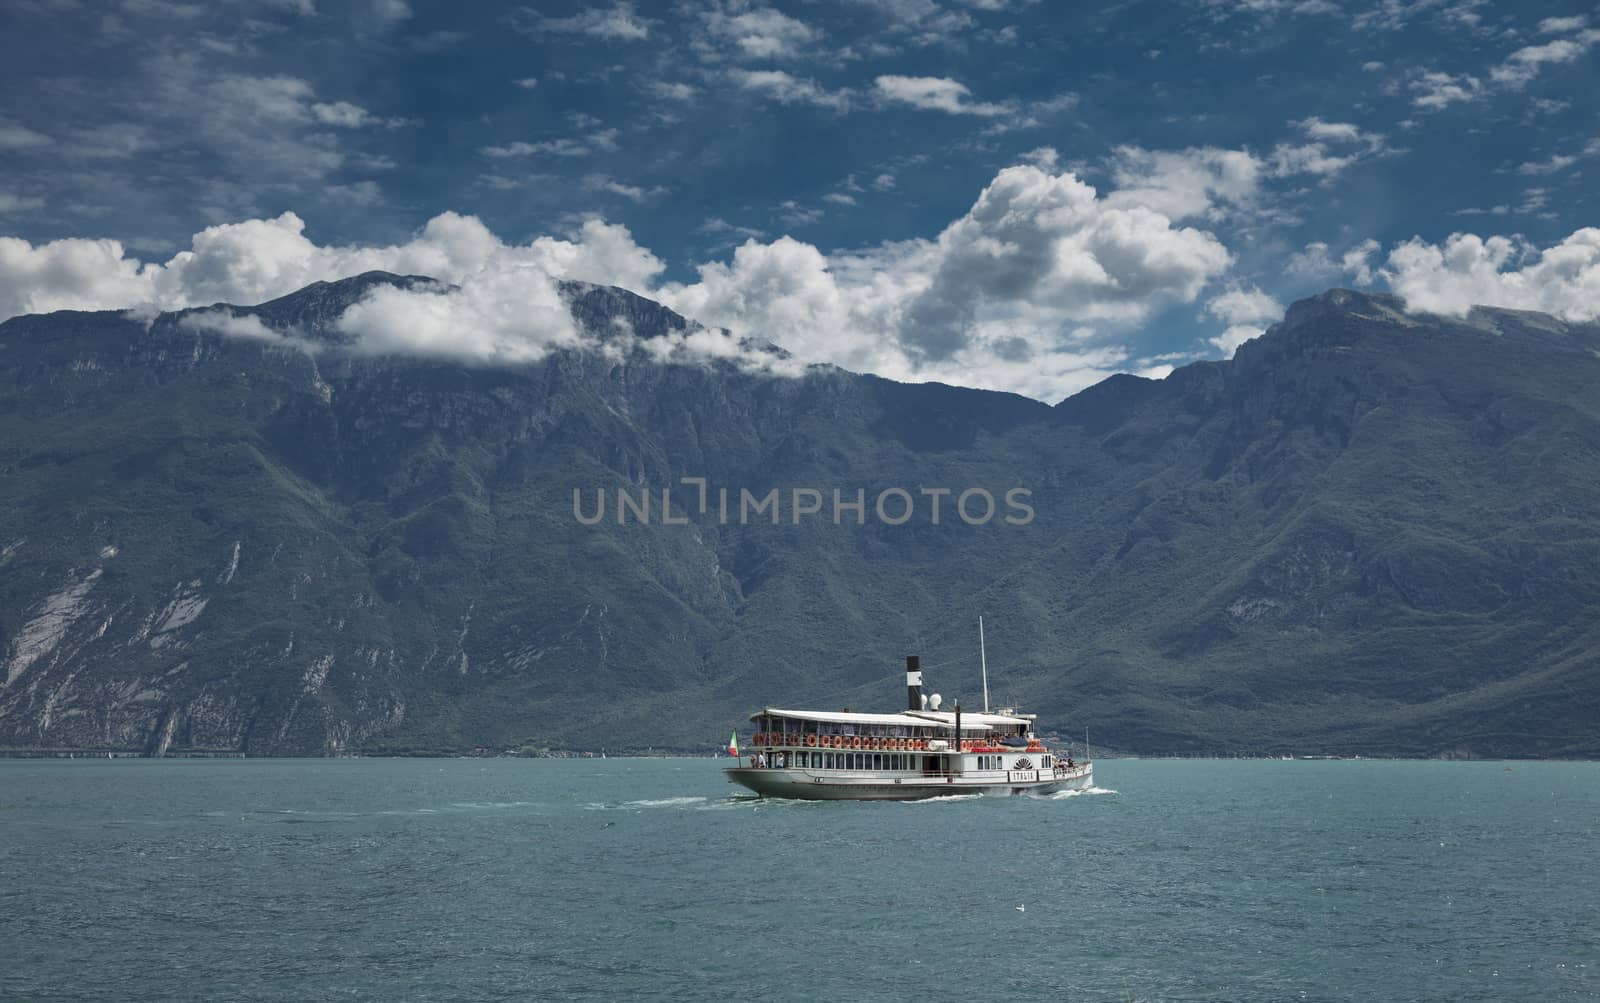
(936,94)
(761,33)
(1467,270)
(260,259)
(71,274)
(502,315)
(1181,184)
(1029,290)
(1016,293)
(1246,312)
(1317,264)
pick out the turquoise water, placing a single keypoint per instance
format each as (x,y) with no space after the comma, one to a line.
(651,879)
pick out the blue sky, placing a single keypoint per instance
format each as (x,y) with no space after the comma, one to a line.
(1241,154)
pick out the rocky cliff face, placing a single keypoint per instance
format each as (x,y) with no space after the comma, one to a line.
(1368,532)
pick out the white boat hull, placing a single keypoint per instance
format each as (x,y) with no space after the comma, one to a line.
(824,785)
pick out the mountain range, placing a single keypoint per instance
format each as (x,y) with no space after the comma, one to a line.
(1370,532)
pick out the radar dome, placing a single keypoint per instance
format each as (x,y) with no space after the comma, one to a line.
(936,701)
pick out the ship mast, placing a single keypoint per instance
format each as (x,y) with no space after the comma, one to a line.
(983,661)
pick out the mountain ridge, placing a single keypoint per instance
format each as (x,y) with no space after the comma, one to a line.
(1346,539)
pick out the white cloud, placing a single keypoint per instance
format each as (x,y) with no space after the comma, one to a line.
(1315,263)
(260,259)
(1562,25)
(1333,147)
(761,33)
(936,94)
(229,324)
(620,23)
(605,183)
(1027,291)
(597,141)
(342,114)
(527,83)
(390,11)
(72,274)
(503,315)
(671,91)
(11,203)
(1246,312)
(1468,270)
(15,136)
(1182,184)
(788,89)
(839,198)
(1044,157)
(1525,64)
(1555,164)
(1017,293)
(1432,90)
(1316,128)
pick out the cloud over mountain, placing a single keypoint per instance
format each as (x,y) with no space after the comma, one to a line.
(1040,287)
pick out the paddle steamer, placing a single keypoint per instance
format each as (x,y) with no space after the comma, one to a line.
(922,752)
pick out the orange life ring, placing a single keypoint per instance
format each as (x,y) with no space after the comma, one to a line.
(900,744)
(877,745)
(855,741)
(811,741)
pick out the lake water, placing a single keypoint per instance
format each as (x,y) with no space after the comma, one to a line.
(652,879)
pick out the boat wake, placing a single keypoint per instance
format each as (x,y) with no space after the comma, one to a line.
(682,802)
(946,797)
(1061,795)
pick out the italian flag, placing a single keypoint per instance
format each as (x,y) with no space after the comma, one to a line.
(733,743)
